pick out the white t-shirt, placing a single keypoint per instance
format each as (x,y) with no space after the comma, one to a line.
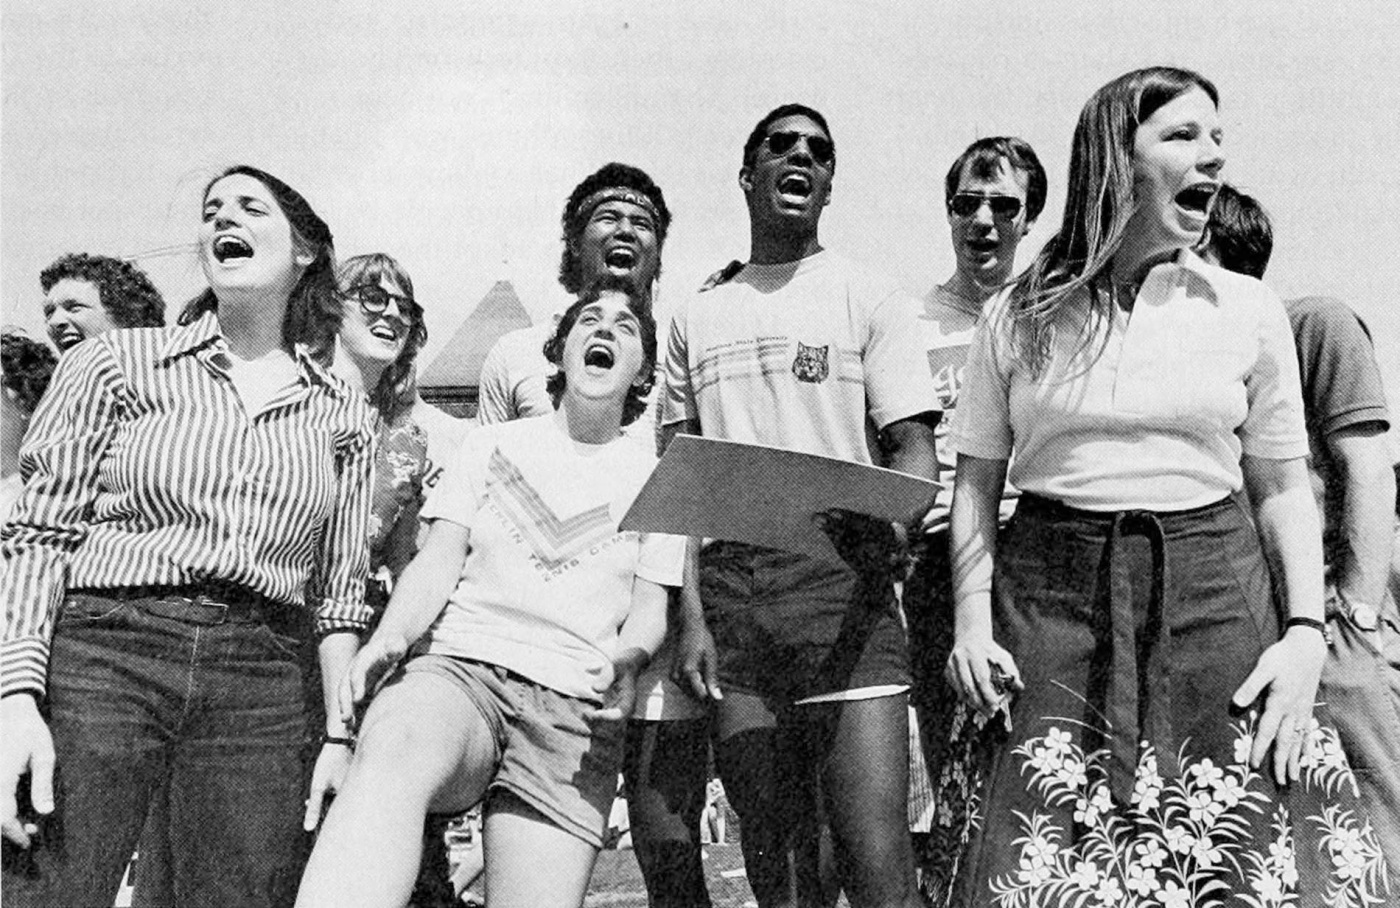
(548,581)
(948,323)
(1202,370)
(513,376)
(806,355)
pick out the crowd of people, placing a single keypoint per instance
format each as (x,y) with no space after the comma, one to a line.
(270,618)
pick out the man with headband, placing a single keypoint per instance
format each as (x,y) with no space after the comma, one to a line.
(615,222)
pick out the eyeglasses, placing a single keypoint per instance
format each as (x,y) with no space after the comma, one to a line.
(780,143)
(966,204)
(374,300)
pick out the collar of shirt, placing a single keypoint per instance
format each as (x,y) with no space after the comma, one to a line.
(203,335)
(1197,276)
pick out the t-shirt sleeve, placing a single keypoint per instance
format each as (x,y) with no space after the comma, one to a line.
(983,425)
(1342,384)
(458,495)
(1274,428)
(661,558)
(495,400)
(897,380)
(677,395)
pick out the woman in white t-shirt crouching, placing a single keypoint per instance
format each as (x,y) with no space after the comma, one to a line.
(535,615)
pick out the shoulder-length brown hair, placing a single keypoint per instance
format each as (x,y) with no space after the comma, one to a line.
(397,391)
(313,309)
(1098,206)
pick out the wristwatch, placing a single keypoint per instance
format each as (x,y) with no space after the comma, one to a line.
(1362,614)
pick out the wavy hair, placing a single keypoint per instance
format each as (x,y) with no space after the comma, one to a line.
(313,308)
(123,289)
(574,219)
(639,302)
(1099,203)
(397,391)
(25,367)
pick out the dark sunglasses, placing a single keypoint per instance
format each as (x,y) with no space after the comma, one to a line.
(374,300)
(966,204)
(780,143)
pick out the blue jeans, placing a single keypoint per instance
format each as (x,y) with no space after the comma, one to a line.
(146,701)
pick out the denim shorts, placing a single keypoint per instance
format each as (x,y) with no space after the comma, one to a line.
(548,753)
(788,626)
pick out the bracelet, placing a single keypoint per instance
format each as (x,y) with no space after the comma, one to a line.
(333,739)
(1306,622)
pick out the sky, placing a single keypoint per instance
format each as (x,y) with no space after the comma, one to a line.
(449,134)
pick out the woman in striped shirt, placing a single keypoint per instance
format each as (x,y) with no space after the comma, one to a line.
(185,487)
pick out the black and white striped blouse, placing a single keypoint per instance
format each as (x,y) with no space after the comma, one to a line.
(142,467)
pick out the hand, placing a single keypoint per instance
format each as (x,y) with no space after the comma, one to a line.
(621,696)
(869,545)
(376,658)
(1289,670)
(695,666)
(982,673)
(27,745)
(332,764)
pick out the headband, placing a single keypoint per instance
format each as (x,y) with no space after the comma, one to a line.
(618,194)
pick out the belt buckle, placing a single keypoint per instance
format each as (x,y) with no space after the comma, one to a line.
(203,600)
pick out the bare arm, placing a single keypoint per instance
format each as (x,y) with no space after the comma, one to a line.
(1288,672)
(973,542)
(1361,455)
(637,641)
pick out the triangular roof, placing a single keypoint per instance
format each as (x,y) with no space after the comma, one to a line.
(459,363)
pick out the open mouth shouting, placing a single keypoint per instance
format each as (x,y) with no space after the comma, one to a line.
(1196,198)
(599,355)
(795,187)
(621,258)
(229,248)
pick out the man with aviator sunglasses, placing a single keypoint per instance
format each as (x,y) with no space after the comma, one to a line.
(805,662)
(994,192)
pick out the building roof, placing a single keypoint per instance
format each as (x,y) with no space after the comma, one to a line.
(459,363)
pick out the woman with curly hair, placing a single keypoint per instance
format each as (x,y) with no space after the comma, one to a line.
(193,519)
(85,295)
(1162,748)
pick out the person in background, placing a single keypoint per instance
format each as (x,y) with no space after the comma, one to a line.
(806,662)
(25,369)
(614,222)
(1162,736)
(992,194)
(538,614)
(85,295)
(1353,481)
(184,487)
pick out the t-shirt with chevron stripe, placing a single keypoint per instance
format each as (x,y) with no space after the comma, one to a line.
(548,581)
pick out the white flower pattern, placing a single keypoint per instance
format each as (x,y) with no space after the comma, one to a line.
(1188,842)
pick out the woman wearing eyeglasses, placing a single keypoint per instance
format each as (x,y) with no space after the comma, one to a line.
(1162,745)
(186,487)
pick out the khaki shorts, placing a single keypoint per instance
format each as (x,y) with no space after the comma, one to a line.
(547,753)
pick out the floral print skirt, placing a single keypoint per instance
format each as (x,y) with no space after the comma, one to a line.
(1124,777)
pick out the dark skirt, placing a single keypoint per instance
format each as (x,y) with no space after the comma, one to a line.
(1124,779)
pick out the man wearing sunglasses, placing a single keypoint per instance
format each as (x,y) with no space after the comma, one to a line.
(993,194)
(806,662)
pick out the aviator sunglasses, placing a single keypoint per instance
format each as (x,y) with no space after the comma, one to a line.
(1004,207)
(780,143)
(374,300)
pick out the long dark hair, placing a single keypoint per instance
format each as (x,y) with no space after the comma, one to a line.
(397,391)
(313,308)
(1098,207)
